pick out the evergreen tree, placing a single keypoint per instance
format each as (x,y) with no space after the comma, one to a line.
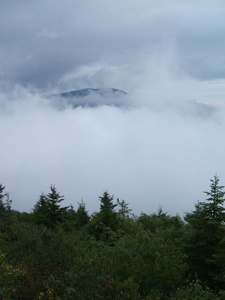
(104,223)
(2,195)
(5,203)
(5,210)
(40,211)
(82,217)
(214,210)
(205,235)
(107,214)
(47,210)
(124,210)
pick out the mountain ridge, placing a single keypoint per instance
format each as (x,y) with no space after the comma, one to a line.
(87,91)
(88,97)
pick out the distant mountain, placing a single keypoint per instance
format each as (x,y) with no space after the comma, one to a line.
(86,92)
(89,97)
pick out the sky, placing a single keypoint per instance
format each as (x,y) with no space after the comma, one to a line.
(159,150)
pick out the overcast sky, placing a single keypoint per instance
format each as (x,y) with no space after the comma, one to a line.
(162,150)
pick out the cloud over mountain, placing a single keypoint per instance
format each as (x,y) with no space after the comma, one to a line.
(156,145)
(89,97)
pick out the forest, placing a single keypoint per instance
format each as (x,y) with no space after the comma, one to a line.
(56,252)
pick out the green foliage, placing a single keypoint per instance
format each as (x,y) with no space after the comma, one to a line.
(169,227)
(195,291)
(214,212)
(9,277)
(47,210)
(82,217)
(124,211)
(205,236)
(76,220)
(107,215)
(136,266)
(105,223)
(58,253)
(5,203)
(45,256)
(6,217)
(154,221)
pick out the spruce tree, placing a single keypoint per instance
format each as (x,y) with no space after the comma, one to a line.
(214,209)
(47,210)
(206,234)
(5,203)
(104,224)
(5,210)
(107,214)
(81,215)
(124,210)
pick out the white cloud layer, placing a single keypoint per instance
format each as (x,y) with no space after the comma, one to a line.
(145,155)
(162,149)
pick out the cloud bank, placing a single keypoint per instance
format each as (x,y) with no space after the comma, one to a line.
(147,156)
(161,149)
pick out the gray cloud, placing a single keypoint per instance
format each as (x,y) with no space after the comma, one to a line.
(160,151)
(42,42)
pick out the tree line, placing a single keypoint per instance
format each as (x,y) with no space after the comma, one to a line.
(57,252)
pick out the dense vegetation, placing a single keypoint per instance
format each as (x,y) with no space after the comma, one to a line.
(57,252)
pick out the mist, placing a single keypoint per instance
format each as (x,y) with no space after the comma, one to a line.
(159,148)
(149,156)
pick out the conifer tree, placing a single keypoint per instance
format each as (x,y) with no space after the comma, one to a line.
(5,210)
(206,234)
(107,214)
(214,209)
(81,215)
(5,203)
(124,210)
(47,210)
(104,224)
